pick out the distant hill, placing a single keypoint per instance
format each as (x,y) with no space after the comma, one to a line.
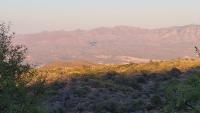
(72,64)
(119,44)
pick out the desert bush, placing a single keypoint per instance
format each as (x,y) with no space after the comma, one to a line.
(110,106)
(136,105)
(111,75)
(124,80)
(81,91)
(184,96)
(156,100)
(140,79)
(15,76)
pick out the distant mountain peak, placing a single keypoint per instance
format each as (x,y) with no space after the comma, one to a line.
(115,42)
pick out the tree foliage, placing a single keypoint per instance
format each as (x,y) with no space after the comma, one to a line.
(15,75)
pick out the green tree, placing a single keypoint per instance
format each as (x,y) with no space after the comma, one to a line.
(15,75)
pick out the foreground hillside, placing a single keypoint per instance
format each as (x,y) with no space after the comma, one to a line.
(156,87)
(119,44)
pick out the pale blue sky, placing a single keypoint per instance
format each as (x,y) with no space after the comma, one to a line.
(29,16)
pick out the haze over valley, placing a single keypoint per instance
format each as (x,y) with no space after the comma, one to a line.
(120,44)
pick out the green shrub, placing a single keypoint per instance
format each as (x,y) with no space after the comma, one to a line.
(137,105)
(81,91)
(110,106)
(156,100)
(140,79)
(184,96)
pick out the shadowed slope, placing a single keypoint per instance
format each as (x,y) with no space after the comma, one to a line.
(131,88)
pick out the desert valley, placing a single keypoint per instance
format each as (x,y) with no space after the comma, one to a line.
(100,56)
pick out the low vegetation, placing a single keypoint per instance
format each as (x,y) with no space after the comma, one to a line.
(58,70)
(184,96)
(154,87)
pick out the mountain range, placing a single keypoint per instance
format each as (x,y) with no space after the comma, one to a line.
(120,44)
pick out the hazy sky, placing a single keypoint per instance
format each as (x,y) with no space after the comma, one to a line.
(28,16)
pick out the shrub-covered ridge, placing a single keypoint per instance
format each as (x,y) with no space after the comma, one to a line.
(130,88)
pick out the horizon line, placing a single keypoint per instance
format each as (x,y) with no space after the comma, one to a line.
(108,27)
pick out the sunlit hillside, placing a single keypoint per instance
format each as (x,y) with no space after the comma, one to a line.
(85,87)
(67,69)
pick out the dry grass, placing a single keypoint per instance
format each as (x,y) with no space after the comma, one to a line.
(66,70)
